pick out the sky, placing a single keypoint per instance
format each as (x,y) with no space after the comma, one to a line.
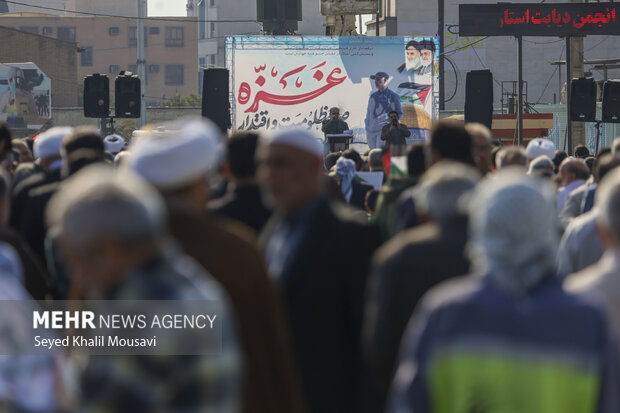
(167,7)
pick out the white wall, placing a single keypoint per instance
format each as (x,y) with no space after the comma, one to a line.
(500,54)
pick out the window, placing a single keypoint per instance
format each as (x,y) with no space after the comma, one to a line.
(66,33)
(132,40)
(174,36)
(211,30)
(212,59)
(174,75)
(115,69)
(30,29)
(114,31)
(154,68)
(211,3)
(154,30)
(48,30)
(133,69)
(86,57)
(202,62)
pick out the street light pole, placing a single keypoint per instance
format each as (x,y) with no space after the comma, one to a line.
(141,63)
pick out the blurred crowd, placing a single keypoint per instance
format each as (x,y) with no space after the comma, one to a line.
(456,275)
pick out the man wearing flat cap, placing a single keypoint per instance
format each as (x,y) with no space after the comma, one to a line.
(179,163)
(319,255)
(380,104)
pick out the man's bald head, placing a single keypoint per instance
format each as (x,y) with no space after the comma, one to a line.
(573,169)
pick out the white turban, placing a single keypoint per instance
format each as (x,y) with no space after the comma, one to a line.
(175,157)
(49,142)
(514,232)
(113,143)
(539,147)
(300,139)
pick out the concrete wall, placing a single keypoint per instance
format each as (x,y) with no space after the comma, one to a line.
(58,59)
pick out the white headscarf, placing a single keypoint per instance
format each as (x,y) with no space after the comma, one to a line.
(346,169)
(513,230)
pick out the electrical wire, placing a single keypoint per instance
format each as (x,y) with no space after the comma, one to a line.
(456,77)
(450,52)
(168,19)
(557,67)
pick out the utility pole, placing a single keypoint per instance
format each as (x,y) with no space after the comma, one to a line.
(440,32)
(141,63)
(576,64)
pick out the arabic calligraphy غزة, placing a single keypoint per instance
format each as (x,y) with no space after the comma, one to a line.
(245,90)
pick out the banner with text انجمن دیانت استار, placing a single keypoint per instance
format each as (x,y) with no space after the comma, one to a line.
(280,82)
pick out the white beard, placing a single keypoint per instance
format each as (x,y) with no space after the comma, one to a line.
(412,65)
(426,63)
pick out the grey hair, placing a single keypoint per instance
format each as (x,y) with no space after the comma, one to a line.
(608,200)
(476,128)
(540,165)
(511,156)
(98,203)
(375,157)
(443,189)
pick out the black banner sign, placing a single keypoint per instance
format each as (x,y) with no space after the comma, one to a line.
(539,19)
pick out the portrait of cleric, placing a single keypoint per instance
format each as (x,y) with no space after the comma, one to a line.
(416,81)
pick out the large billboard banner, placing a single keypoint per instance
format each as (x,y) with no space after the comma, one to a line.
(340,7)
(280,82)
(25,99)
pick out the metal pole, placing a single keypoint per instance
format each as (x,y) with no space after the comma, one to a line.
(559,83)
(141,63)
(520,94)
(377,19)
(569,132)
(440,31)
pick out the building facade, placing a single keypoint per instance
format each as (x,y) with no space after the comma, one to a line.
(108,45)
(499,54)
(212,34)
(57,58)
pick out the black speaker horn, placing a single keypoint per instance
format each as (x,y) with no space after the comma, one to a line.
(583,100)
(215,98)
(479,97)
(127,99)
(611,101)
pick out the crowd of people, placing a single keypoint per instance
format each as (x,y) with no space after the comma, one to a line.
(477,278)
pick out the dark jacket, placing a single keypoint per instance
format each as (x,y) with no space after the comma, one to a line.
(334,127)
(395,137)
(225,251)
(403,270)
(245,204)
(358,196)
(322,289)
(36,280)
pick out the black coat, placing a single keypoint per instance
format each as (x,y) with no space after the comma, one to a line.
(322,289)
(358,196)
(404,269)
(245,204)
